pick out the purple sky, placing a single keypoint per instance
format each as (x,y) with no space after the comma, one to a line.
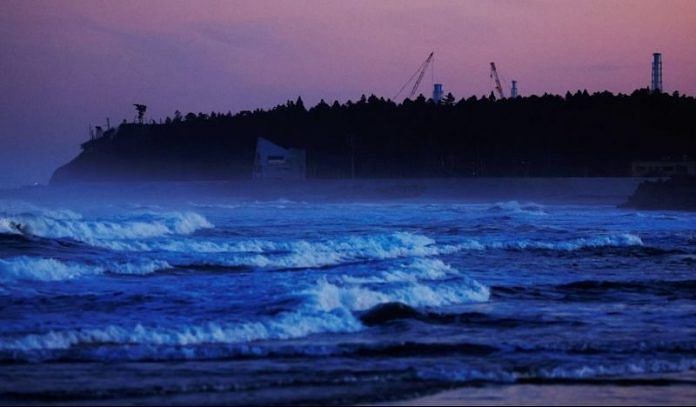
(66,64)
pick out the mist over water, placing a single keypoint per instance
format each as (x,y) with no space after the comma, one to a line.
(340,291)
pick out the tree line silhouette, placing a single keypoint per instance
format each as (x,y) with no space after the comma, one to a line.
(579,134)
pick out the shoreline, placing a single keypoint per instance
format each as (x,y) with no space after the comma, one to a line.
(608,191)
(675,389)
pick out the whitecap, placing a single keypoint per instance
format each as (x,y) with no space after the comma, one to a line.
(609,240)
(49,269)
(66,224)
(43,269)
(326,308)
(417,285)
(295,254)
(286,326)
(635,367)
(529,208)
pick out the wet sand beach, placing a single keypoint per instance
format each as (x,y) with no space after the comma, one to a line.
(676,390)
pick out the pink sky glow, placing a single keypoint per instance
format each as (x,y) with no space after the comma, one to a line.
(66,64)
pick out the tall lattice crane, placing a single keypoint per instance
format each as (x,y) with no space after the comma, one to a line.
(498,86)
(420,72)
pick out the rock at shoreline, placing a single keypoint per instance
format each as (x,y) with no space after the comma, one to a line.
(677,193)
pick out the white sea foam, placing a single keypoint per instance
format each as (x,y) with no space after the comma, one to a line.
(353,248)
(633,368)
(327,308)
(420,269)
(636,367)
(415,284)
(215,205)
(8,226)
(529,208)
(452,373)
(48,269)
(286,326)
(359,298)
(610,240)
(295,254)
(14,214)
(43,269)
(66,224)
(309,254)
(140,267)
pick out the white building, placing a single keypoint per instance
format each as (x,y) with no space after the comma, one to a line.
(275,162)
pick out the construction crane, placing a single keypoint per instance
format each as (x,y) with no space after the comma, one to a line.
(498,86)
(420,72)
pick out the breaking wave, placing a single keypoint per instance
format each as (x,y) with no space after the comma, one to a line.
(529,208)
(68,224)
(559,373)
(289,325)
(48,269)
(358,298)
(311,254)
(328,307)
(300,253)
(29,268)
(419,269)
(613,240)
(637,367)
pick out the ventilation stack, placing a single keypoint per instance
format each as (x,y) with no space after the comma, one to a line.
(656,85)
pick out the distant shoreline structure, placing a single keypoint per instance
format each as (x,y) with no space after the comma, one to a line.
(677,193)
(576,135)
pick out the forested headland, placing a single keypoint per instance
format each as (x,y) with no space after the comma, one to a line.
(579,134)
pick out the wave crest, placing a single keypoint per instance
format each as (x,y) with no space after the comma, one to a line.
(611,240)
(289,325)
(42,269)
(327,308)
(296,254)
(49,269)
(530,208)
(415,285)
(65,224)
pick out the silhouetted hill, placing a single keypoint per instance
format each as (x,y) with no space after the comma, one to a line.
(576,135)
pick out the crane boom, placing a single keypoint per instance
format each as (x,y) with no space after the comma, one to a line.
(420,75)
(420,72)
(498,86)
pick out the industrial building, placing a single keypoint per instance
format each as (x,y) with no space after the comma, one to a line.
(275,162)
(437,92)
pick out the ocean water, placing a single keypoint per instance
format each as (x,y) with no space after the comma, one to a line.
(242,301)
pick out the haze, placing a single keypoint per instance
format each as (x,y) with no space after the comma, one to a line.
(67,64)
